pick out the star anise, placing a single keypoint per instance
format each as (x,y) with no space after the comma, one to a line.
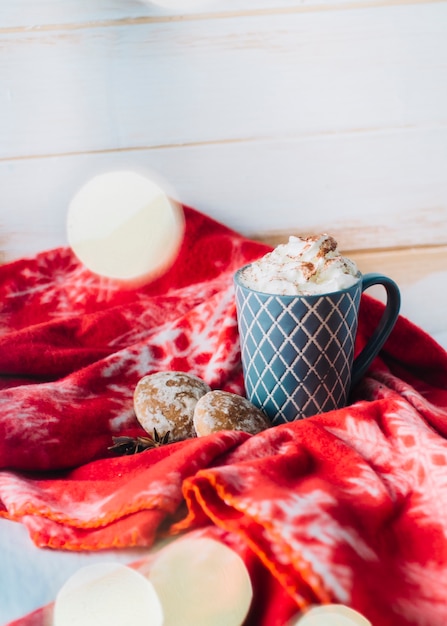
(132,445)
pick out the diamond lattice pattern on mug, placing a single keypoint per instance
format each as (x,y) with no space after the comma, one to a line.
(281,340)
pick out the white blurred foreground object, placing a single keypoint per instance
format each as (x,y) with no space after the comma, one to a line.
(201,582)
(331,615)
(107,594)
(189,582)
(122,225)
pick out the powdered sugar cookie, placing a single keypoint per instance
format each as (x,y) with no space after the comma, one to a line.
(221,410)
(166,401)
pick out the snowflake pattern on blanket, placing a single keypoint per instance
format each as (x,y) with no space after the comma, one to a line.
(348,506)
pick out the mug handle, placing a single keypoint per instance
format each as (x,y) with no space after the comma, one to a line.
(384,328)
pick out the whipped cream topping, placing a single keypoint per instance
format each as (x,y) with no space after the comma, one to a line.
(303,266)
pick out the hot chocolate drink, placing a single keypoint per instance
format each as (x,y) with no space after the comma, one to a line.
(303,266)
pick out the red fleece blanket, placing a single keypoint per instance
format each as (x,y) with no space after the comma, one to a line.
(349,506)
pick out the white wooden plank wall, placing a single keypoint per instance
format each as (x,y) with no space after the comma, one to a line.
(273,116)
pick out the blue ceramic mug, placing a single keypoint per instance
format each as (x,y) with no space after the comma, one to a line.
(298,351)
